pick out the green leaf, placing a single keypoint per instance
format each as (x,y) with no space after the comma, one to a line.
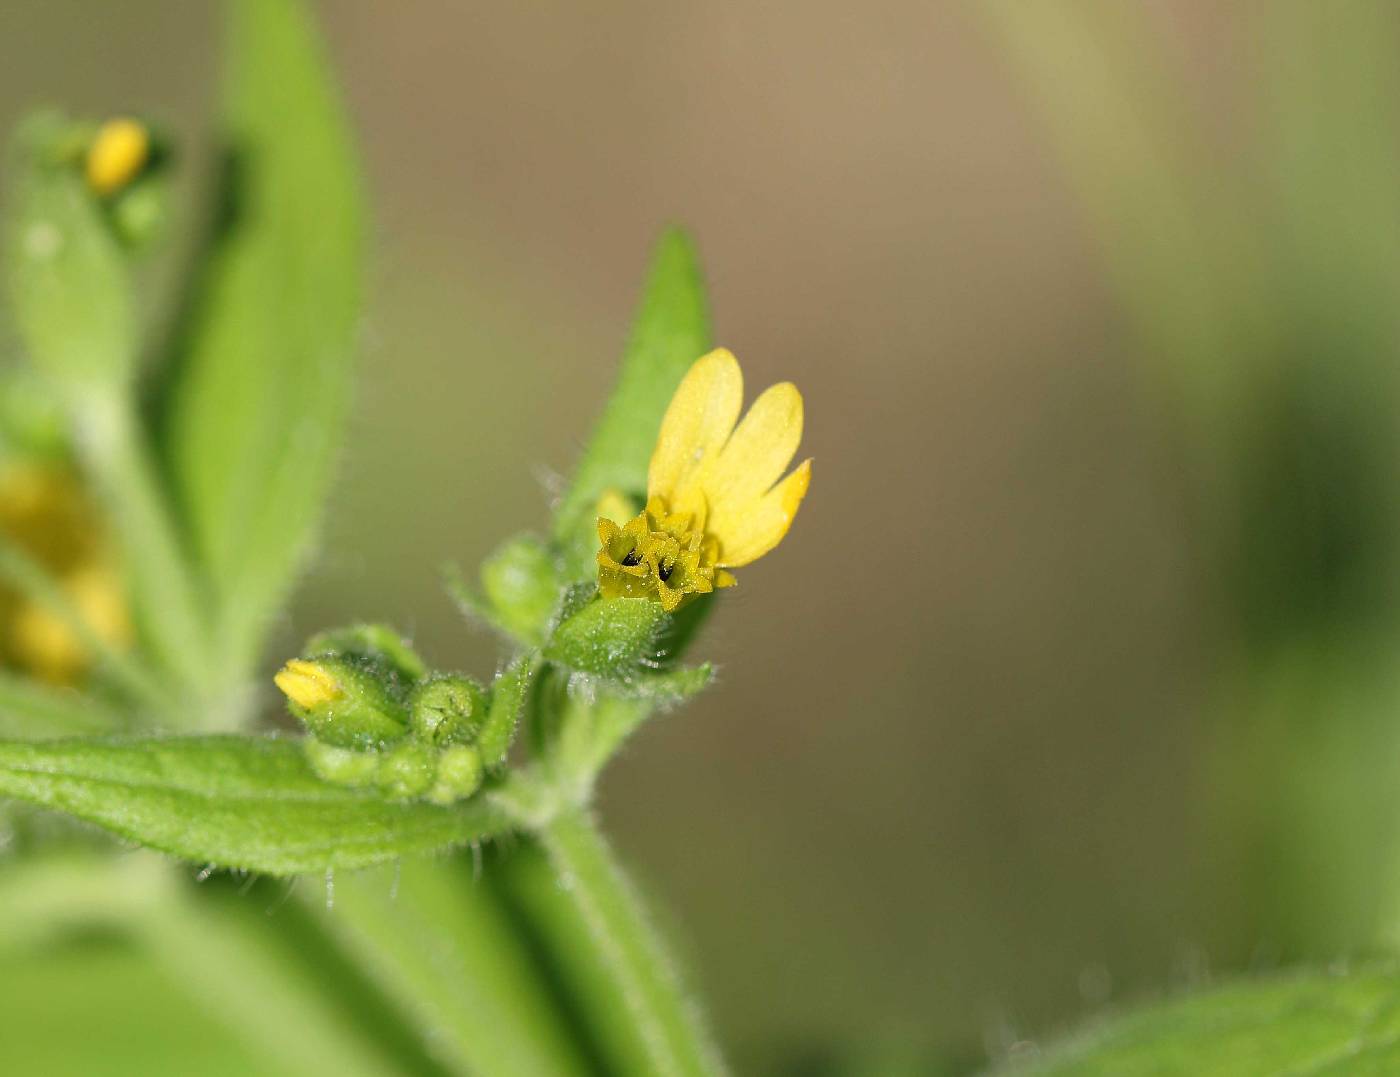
(1311,1023)
(238,802)
(133,1019)
(671,331)
(508,696)
(257,412)
(30,711)
(67,277)
(220,946)
(609,637)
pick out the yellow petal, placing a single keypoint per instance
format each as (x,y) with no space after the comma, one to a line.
(753,530)
(756,456)
(307,684)
(614,505)
(698,421)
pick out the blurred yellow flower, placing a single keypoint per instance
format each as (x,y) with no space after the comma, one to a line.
(116,156)
(46,513)
(714,496)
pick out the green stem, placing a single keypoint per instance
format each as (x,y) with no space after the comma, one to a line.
(618,928)
(163,579)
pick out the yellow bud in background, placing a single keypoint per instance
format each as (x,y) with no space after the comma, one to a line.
(117,154)
(46,513)
(614,505)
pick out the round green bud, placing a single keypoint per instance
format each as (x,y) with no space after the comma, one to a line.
(344,702)
(521,580)
(138,213)
(371,643)
(459,774)
(406,771)
(343,766)
(447,709)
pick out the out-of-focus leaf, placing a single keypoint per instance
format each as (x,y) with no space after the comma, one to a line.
(221,946)
(106,1008)
(1174,240)
(442,945)
(67,278)
(30,710)
(1310,1023)
(257,412)
(238,802)
(671,331)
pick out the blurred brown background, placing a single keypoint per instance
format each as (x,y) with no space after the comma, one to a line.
(937,797)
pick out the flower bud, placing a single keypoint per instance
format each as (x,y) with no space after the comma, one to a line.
(459,774)
(118,153)
(406,771)
(521,582)
(447,709)
(343,702)
(609,637)
(138,214)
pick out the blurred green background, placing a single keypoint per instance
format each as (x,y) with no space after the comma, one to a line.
(948,793)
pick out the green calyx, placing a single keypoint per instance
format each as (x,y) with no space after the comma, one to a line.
(447,709)
(345,701)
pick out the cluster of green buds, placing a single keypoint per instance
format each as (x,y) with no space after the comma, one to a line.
(379,718)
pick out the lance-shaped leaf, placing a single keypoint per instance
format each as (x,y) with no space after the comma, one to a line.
(671,331)
(68,282)
(237,802)
(263,372)
(1314,1022)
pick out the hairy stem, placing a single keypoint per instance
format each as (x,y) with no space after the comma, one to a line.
(626,945)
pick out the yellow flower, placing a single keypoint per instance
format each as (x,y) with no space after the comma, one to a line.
(119,151)
(623,567)
(716,495)
(46,513)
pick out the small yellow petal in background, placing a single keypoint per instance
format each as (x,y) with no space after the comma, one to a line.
(749,531)
(758,453)
(44,644)
(698,421)
(614,505)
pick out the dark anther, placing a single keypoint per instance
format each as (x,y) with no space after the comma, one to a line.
(665,570)
(632,558)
